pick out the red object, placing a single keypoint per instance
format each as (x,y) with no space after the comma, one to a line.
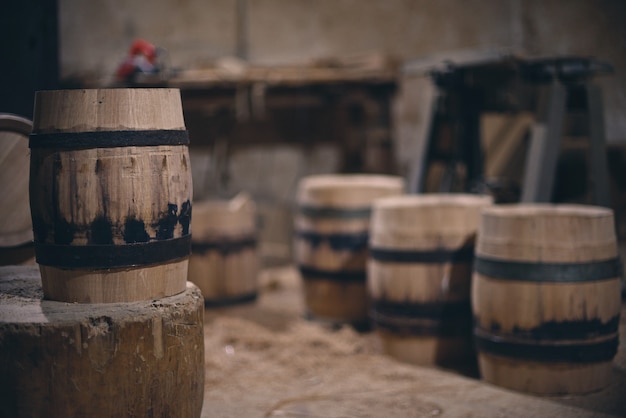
(143,47)
(141,57)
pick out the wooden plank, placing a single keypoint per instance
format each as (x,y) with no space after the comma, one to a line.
(419,168)
(544,146)
(502,136)
(287,76)
(598,157)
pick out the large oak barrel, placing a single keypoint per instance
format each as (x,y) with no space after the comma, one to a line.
(546,297)
(331,233)
(134,359)
(110,194)
(16,231)
(419,276)
(224,261)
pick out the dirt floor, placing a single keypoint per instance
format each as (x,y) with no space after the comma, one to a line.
(263,359)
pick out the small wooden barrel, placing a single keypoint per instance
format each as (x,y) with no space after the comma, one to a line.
(546,297)
(135,359)
(16,231)
(419,276)
(330,248)
(224,261)
(110,194)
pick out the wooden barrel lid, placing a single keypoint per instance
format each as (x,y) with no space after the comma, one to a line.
(15,222)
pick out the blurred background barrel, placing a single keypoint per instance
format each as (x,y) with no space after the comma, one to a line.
(546,297)
(419,276)
(110,194)
(16,231)
(331,234)
(224,262)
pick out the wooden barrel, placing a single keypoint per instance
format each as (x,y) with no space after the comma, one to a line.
(224,261)
(546,297)
(16,231)
(136,359)
(330,245)
(419,276)
(110,194)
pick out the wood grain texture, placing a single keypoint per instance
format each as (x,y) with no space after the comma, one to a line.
(442,351)
(114,285)
(124,195)
(547,315)
(75,360)
(107,110)
(332,225)
(421,304)
(224,262)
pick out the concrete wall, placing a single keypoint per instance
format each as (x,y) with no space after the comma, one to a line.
(303,29)
(95,35)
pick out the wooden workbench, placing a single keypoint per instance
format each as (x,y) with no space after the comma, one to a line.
(346,102)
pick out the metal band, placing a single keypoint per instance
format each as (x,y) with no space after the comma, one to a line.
(562,330)
(430,310)
(335,213)
(433,319)
(112,256)
(422,327)
(224,247)
(341,276)
(216,303)
(549,272)
(440,255)
(338,242)
(108,139)
(579,352)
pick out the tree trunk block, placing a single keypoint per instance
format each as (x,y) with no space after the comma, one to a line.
(139,359)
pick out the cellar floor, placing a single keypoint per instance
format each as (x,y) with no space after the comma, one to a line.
(264,359)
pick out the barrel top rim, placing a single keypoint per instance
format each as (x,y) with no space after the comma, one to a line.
(107,109)
(334,181)
(81,130)
(528,210)
(430,200)
(111,89)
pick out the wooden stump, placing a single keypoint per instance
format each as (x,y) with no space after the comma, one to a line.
(546,297)
(136,359)
(110,194)
(224,262)
(332,227)
(419,275)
